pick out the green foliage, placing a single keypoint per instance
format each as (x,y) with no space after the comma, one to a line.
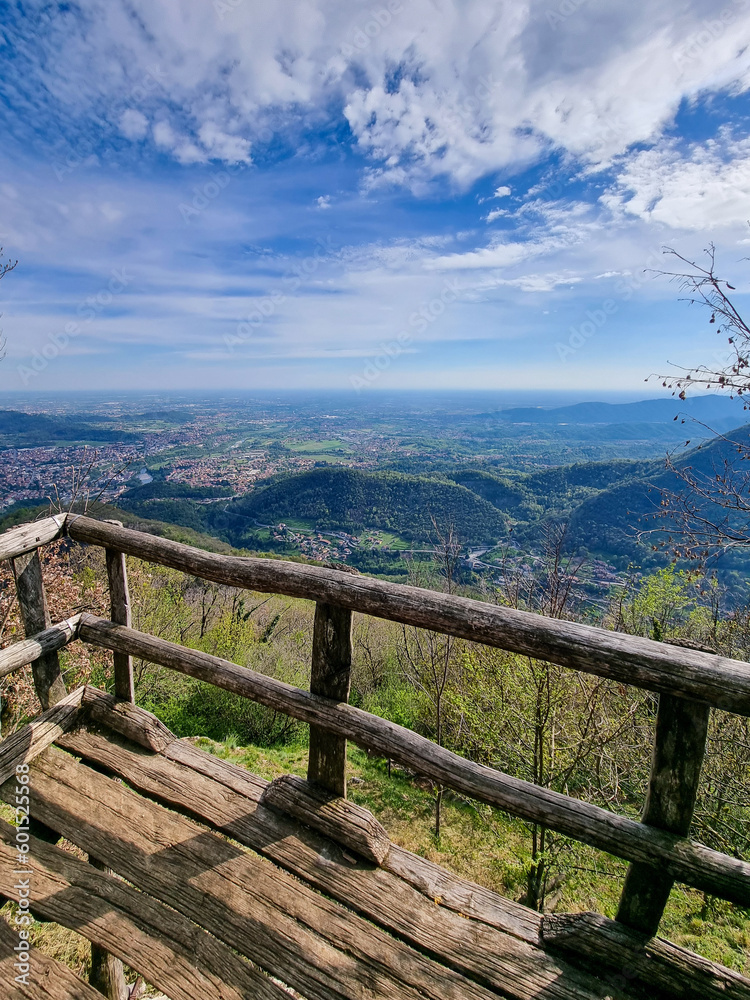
(350,500)
(660,605)
(205,710)
(397,702)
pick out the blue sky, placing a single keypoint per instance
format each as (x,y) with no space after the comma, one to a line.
(209,194)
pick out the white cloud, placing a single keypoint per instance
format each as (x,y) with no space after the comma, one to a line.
(324,201)
(164,135)
(539,282)
(495,256)
(705,187)
(502,192)
(496,213)
(221,146)
(133,124)
(462,90)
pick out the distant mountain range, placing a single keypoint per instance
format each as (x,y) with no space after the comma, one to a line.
(710,409)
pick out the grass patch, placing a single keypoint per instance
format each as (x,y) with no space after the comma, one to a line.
(309,447)
(486,846)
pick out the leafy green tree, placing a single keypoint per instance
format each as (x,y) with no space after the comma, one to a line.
(545,723)
(428,659)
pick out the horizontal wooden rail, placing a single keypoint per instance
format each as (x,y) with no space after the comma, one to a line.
(657,666)
(20,654)
(682,859)
(16,541)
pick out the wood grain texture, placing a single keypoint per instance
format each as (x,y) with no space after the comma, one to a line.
(427,878)
(166,948)
(119,599)
(27,572)
(310,942)
(17,541)
(500,947)
(681,859)
(19,654)
(346,823)
(655,963)
(679,748)
(719,681)
(33,738)
(47,980)
(122,717)
(330,677)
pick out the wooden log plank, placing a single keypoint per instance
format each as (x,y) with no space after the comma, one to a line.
(342,821)
(129,720)
(20,654)
(119,598)
(163,946)
(682,859)
(18,541)
(33,738)
(47,979)
(652,961)
(429,879)
(463,897)
(48,680)
(719,681)
(228,798)
(679,747)
(308,941)
(330,678)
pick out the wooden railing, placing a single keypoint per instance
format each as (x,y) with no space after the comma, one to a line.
(689,682)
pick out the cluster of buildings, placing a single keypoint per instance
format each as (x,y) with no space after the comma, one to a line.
(30,474)
(325,547)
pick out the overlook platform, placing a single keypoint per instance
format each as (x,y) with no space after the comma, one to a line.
(212,883)
(212,873)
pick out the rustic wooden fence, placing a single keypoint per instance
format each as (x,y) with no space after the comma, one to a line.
(689,684)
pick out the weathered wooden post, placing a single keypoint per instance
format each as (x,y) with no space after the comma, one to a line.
(119,600)
(107,975)
(679,746)
(32,600)
(331,678)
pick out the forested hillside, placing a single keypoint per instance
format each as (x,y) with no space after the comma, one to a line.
(611,521)
(344,499)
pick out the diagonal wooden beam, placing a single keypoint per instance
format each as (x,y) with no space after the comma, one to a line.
(22,747)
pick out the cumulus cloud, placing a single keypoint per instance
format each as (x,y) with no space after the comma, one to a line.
(221,146)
